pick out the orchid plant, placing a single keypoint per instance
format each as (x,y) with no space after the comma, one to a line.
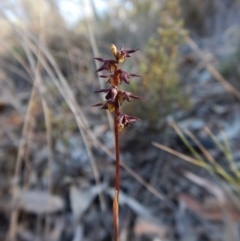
(114,99)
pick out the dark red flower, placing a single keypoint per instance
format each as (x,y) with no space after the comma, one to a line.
(126,53)
(110,78)
(124,120)
(123,95)
(108,65)
(107,105)
(111,93)
(124,76)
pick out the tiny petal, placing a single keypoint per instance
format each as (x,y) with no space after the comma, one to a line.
(101,69)
(122,48)
(121,59)
(98,104)
(103,76)
(125,77)
(111,80)
(120,127)
(132,118)
(131,51)
(102,90)
(134,75)
(100,59)
(109,65)
(106,106)
(121,99)
(111,107)
(134,96)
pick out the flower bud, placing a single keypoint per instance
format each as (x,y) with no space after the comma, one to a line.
(114,50)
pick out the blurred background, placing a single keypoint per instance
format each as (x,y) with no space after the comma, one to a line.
(180,176)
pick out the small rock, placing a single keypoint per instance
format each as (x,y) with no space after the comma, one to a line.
(191,124)
(219,109)
(197,124)
(77,149)
(204,77)
(60,147)
(109,139)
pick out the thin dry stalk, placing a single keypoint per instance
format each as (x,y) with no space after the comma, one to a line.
(179,132)
(46,110)
(96,53)
(21,150)
(117,176)
(15,214)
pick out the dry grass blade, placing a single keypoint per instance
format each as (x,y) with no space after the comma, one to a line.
(96,53)
(180,155)
(45,107)
(21,150)
(65,90)
(211,187)
(201,147)
(229,156)
(186,142)
(149,187)
(14,215)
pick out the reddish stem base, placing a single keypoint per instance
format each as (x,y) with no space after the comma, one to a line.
(117,182)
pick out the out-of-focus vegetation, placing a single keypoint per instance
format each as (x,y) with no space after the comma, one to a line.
(160,85)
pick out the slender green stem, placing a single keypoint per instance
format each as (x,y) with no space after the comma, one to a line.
(117,180)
